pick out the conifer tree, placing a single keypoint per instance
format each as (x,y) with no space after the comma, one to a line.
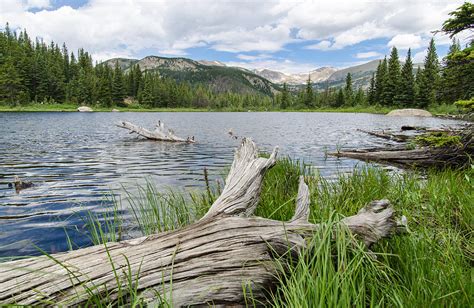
(11,88)
(285,97)
(309,97)
(118,92)
(339,101)
(371,91)
(348,92)
(406,93)
(391,87)
(380,81)
(429,81)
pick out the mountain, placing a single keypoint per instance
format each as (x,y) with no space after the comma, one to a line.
(357,71)
(214,74)
(123,63)
(317,75)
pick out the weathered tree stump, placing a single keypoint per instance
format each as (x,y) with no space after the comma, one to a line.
(159,133)
(208,262)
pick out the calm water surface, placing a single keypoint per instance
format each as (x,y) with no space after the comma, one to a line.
(76,158)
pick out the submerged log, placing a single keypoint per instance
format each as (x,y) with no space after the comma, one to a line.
(210,262)
(160,133)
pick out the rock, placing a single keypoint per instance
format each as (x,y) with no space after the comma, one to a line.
(84,109)
(115,110)
(409,113)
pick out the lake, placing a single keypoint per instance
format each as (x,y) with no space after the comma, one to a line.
(75,159)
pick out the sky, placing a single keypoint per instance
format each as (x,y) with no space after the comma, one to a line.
(289,36)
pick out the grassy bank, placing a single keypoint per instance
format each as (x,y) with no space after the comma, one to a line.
(37,107)
(430,265)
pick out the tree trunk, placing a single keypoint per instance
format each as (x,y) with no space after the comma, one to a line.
(159,134)
(210,261)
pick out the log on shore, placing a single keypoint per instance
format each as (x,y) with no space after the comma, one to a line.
(160,133)
(454,156)
(209,262)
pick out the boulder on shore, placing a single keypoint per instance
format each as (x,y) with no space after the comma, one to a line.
(84,109)
(115,110)
(409,113)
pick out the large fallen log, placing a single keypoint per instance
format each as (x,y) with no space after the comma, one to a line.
(457,153)
(160,133)
(209,262)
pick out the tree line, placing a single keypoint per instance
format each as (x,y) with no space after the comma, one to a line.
(33,71)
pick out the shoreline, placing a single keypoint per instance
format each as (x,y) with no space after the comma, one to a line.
(73,108)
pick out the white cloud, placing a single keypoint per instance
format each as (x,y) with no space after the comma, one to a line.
(323,45)
(405,41)
(419,57)
(253,58)
(172,27)
(369,54)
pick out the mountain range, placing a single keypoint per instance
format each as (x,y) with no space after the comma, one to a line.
(223,78)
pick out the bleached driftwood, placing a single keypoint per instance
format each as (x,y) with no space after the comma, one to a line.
(160,133)
(209,262)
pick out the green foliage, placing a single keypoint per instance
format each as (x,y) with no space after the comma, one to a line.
(348,92)
(380,81)
(467,105)
(429,78)
(406,92)
(462,19)
(392,84)
(438,140)
(429,266)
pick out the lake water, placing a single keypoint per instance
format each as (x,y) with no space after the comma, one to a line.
(76,158)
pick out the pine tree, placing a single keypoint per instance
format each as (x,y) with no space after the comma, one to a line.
(285,97)
(406,93)
(359,98)
(393,78)
(118,91)
(380,81)
(11,88)
(371,91)
(309,97)
(428,84)
(339,101)
(146,96)
(348,92)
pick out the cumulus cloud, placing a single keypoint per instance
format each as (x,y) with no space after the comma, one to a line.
(369,54)
(323,45)
(405,41)
(173,27)
(419,57)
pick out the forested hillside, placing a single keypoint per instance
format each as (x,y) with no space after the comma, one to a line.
(33,71)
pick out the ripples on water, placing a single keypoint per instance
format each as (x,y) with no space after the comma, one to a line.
(76,158)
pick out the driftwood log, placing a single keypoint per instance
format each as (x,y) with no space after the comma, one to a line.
(452,155)
(209,262)
(160,133)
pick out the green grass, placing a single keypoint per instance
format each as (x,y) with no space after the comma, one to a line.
(429,266)
(68,107)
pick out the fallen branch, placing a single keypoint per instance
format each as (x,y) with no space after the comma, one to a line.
(205,263)
(387,135)
(159,133)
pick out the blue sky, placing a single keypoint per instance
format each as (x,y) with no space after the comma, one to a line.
(289,36)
